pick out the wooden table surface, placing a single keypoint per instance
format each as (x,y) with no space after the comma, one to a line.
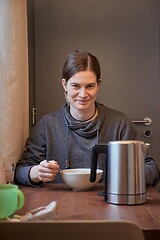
(87,205)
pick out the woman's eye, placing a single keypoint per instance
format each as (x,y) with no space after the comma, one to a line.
(91,86)
(75,86)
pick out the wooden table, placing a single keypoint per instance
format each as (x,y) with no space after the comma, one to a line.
(87,205)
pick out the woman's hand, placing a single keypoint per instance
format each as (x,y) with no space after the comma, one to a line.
(45,171)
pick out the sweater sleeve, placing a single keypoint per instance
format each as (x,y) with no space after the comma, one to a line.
(152,172)
(34,153)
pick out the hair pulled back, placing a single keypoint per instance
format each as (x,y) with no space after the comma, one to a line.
(80,61)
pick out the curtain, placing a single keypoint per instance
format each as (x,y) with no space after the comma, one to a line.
(14,90)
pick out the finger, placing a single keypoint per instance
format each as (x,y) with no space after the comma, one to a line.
(49,168)
(53,164)
(46,177)
(51,161)
(49,164)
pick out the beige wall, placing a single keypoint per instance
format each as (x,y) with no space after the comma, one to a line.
(13,80)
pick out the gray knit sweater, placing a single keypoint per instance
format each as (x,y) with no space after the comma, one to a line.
(57,136)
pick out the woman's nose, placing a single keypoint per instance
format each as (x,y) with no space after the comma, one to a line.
(82,92)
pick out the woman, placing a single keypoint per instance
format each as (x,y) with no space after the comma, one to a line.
(65,138)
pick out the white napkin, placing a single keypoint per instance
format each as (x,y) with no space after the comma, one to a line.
(46,213)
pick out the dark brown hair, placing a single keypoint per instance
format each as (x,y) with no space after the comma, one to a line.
(80,61)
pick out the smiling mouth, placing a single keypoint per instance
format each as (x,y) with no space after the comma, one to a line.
(82,101)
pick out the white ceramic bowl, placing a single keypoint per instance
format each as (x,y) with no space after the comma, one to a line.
(79,178)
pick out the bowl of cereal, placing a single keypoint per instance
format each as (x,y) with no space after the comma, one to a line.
(79,178)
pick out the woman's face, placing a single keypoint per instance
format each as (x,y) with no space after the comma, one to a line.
(81,90)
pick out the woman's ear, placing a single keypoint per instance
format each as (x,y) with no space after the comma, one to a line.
(64,84)
(99,82)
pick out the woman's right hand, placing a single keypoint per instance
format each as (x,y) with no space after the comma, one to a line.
(46,171)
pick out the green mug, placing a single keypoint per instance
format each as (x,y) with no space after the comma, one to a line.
(11,199)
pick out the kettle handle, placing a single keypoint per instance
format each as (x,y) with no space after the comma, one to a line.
(99,148)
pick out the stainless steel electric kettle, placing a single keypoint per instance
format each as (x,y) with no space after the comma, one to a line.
(124,173)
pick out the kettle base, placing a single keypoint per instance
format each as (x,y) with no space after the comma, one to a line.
(126,199)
